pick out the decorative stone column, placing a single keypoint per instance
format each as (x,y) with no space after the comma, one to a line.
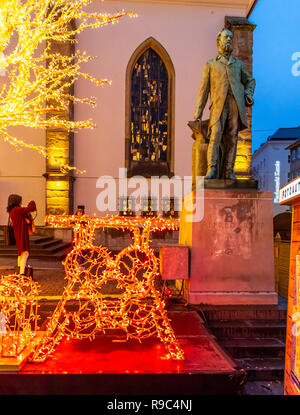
(242,31)
(60,144)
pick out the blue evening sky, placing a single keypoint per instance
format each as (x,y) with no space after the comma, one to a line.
(276,44)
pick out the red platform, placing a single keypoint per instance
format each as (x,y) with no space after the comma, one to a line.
(108,365)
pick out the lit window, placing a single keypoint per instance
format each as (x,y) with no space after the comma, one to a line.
(149,116)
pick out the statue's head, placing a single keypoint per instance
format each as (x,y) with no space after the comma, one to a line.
(224,41)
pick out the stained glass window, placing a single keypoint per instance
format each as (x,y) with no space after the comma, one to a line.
(149,110)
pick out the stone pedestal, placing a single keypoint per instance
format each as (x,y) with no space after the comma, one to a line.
(232,257)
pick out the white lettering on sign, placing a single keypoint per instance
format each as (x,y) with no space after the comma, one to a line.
(289,191)
(296,65)
(277,181)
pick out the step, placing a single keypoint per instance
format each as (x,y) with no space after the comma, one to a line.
(264,388)
(37,252)
(247,312)
(60,247)
(53,247)
(249,328)
(34,240)
(35,244)
(41,240)
(253,347)
(51,243)
(259,369)
(51,256)
(44,255)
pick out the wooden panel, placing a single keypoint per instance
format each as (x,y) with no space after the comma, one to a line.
(296,231)
(296,213)
(283,268)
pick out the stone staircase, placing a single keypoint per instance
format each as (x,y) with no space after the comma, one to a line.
(46,248)
(255,337)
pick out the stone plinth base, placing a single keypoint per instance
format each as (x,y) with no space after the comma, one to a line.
(232,254)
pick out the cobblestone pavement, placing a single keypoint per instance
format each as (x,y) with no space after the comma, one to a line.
(50,275)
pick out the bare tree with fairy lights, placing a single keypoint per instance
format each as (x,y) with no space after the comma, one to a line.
(37,81)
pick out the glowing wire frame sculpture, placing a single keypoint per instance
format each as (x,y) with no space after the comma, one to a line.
(138,310)
(18,314)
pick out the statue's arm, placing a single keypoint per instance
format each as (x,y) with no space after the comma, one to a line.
(248,82)
(203,92)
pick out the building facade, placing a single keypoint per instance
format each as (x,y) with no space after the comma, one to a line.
(155,64)
(271,164)
(294,150)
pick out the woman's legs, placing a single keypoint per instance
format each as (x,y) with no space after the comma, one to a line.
(22,260)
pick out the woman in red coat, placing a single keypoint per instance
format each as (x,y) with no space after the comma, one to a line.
(18,215)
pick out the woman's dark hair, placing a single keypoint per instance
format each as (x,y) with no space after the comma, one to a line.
(13,201)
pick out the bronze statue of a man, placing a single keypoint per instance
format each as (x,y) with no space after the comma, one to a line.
(231,89)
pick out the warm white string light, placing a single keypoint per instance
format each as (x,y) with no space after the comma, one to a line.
(34,94)
(139,309)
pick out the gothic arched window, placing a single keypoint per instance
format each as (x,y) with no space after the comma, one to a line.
(149,112)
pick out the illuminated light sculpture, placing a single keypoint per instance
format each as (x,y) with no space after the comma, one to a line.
(33,94)
(84,310)
(18,314)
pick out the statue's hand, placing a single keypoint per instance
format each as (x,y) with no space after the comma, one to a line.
(195,125)
(249,101)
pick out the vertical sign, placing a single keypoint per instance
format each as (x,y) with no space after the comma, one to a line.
(277,181)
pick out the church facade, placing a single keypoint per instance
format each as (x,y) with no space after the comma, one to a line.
(155,64)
